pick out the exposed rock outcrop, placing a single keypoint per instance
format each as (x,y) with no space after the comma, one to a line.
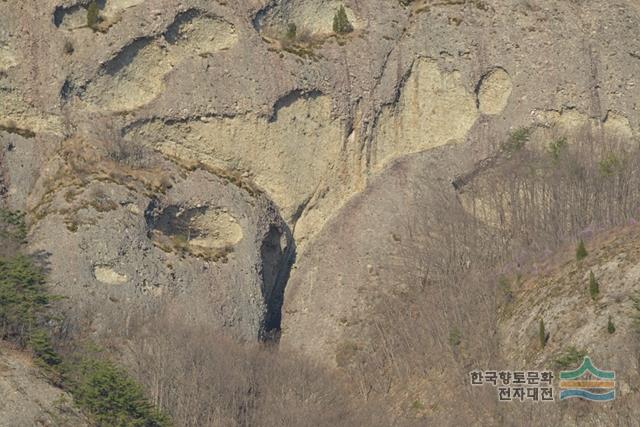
(212,160)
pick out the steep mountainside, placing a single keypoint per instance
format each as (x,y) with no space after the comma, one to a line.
(28,399)
(248,168)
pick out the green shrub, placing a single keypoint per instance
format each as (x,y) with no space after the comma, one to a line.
(594,286)
(611,328)
(581,251)
(417,405)
(556,147)
(93,15)
(609,165)
(341,24)
(23,298)
(517,139)
(505,288)
(455,337)
(570,358)
(40,344)
(112,396)
(12,224)
(542,334)
(292,31)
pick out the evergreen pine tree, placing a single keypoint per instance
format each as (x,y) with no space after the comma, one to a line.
(581,251)
(341,24)
(542,334)
(93,15)
(292,31)
(594,286)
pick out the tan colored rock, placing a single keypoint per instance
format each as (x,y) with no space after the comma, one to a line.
(114,7)
(315,17)
(573,122)
(287,157)
(494,91)
(434,109)
(135,76)
(7,58)
(135,83)
(109,276)
(618,125)
(16,113)
(218,230)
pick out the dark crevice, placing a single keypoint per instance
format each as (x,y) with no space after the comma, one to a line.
(290,98)
(172,33)
(60,12)
(126,56)
(173,220)
(277,256)
(278,252)
(481,81)
(67,90)
(259,17)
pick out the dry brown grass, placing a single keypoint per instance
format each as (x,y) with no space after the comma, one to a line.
(79,164)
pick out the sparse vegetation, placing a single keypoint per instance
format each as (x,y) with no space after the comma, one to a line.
(404,319)
(125,152)
(101,202)
(109,395)
(517,139)
(570,358)
(581,251)
(609,165)
(524,198)
(341,24)
(417,406)
(594,286)
(557,147)
(40,344)
(505,288)
(298,41)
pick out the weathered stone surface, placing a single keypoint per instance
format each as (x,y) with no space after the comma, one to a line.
(257,145)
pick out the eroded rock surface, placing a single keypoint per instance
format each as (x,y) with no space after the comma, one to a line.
(182,155)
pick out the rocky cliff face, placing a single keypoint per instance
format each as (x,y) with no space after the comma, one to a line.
(205,159)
